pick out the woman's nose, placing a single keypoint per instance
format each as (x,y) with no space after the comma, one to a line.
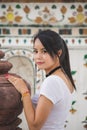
(39,55)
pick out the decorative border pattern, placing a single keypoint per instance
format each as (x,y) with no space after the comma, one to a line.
(27,42)
(52,14)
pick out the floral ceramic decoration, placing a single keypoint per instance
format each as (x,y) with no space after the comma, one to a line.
(40,14)
(9,16)
(79,15)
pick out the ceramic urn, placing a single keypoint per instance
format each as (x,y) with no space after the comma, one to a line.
(10,99)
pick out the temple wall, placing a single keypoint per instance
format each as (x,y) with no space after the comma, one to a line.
(20,21)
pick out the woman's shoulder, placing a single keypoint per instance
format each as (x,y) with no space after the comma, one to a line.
(57,81)
(52,80)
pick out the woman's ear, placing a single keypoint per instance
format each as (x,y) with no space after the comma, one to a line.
(59,52)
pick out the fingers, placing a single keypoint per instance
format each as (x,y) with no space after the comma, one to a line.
(8,76)
(18,83)
(11,78)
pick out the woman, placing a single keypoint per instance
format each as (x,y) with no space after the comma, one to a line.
(51,55)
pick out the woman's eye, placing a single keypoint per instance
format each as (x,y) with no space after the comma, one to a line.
(44,51)
(35,51)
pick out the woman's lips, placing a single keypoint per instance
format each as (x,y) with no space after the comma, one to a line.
(40,63)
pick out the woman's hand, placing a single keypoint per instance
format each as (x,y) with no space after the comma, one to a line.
(18,83)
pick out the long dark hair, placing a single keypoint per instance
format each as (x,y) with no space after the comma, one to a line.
(52,43)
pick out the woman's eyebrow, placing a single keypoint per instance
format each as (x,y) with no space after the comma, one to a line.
(37,48)
(43,49)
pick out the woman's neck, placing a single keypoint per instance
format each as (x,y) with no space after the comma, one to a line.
(53,70)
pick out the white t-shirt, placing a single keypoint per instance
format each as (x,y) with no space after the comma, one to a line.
(56,90)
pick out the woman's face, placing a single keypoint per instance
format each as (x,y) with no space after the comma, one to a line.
(42,58)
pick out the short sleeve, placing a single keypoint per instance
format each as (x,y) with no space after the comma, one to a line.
(51,89)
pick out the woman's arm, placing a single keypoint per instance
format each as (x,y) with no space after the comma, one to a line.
(35,117)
